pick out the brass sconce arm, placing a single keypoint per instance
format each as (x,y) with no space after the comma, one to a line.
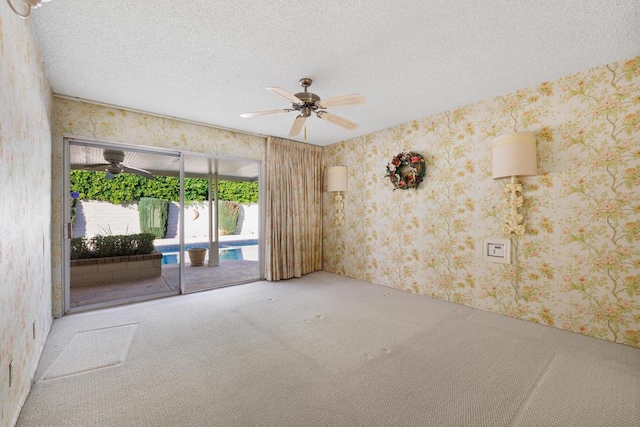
(514,201)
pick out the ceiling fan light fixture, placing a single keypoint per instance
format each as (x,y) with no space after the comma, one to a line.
(305,111)
(113,156)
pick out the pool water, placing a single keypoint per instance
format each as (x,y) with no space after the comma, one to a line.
(239,250)
(172,258)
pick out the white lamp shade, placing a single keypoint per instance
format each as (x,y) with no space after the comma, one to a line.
(337,178)
(515,155)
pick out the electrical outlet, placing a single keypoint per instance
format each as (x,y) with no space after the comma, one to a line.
(11,373)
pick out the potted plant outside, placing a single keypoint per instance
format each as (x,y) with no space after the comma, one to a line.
(196,256)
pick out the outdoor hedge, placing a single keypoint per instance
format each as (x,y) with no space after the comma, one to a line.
(126,188)
(111,246)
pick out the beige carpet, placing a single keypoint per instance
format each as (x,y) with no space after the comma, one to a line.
(90,350)
(326,351)
(602,397)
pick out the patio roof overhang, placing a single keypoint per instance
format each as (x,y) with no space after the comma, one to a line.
(164,162)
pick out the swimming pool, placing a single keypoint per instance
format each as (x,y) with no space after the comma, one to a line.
(233,250)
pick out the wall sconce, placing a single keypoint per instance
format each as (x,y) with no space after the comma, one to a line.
(30,4)
(514,155)
(337,182)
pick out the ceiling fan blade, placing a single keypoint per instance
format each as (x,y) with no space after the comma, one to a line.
(297,125)
(96,166)
(285,94)
(141,172)
(341,101)
(263,113)
(110,169)
(337,120)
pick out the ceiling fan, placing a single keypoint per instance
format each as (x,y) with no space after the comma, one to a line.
(114,166)
(307,103)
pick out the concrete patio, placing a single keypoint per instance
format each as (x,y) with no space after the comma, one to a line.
(229,272)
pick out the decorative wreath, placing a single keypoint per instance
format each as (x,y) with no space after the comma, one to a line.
(406,170)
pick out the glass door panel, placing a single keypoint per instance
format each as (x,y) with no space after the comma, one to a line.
(117,193)
(221,222)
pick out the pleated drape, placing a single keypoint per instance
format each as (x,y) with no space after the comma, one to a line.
(293,217)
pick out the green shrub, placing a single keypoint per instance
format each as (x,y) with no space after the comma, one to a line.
(154,214)
(129,188)
(79,248)
(228,214)
(110,246)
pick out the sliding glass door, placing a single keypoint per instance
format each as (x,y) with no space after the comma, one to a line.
(200,214)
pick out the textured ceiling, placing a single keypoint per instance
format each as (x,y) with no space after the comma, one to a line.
(209,61)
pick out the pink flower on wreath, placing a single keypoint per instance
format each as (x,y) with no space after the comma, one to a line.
(415,159)
(395,161)
(392,168)
(402,183)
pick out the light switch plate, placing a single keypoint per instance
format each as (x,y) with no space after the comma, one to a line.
(495,249)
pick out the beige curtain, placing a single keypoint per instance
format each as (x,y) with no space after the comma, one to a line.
(293,186)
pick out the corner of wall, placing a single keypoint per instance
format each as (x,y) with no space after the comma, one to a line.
(25,247)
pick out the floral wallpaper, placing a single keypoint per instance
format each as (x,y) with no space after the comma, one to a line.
(25,155)
(578,265)
(104,124)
